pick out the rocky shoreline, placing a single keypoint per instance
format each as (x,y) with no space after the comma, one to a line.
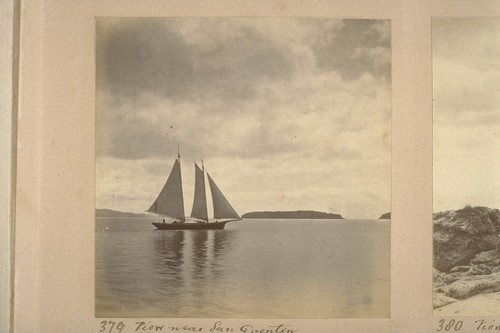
(466,254)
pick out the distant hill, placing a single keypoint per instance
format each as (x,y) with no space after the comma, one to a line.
(115,213)
(386,216)
(298,214)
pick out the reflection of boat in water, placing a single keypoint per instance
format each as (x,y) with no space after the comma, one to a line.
(190,262)
(170,203)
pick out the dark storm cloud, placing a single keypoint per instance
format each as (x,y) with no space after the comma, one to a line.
(351,51)
(149,55)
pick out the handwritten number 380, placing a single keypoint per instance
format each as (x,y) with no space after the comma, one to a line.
(452,325)
(109,325)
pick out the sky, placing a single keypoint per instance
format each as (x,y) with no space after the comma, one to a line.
(466,75)
(287,114)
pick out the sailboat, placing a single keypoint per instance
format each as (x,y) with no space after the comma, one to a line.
(170,203)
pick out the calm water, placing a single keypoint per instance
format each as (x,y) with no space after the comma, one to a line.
(252,269)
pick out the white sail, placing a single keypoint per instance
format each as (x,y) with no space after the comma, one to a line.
(170,201)
(222,207)
(199,210)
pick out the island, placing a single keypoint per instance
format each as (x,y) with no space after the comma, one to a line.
(386,216)
(107,213)
(297,214)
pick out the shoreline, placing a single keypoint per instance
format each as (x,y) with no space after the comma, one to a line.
(478,305)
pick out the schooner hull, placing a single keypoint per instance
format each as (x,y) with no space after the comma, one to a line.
(190,226)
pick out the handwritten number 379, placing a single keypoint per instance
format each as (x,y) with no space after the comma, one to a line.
(109,326)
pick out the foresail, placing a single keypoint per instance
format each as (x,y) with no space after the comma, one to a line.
(200,198)
(222,207)
(170,201)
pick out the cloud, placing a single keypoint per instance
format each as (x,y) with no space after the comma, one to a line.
(153,56)
(471,41)
(464,93)
(302,117)
(326,185)
(466,73)
(163,82)
(290,112)
(352,49)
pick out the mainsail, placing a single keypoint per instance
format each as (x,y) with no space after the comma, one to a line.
(170,201)
(200,199)
(222,207)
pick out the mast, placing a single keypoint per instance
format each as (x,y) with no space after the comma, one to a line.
(199,210)
(222,207)
(170,201)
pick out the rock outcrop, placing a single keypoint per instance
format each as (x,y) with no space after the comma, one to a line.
(466,254)
(461,235)
(440,300)
(472,285)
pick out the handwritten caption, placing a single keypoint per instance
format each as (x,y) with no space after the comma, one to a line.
(467,325)
(110,326)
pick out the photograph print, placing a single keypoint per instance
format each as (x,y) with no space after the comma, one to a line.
(466,236)
(243,168)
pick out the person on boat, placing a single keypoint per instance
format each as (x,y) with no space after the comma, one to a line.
(163,220)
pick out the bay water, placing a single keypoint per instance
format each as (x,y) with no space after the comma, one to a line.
(254,268)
